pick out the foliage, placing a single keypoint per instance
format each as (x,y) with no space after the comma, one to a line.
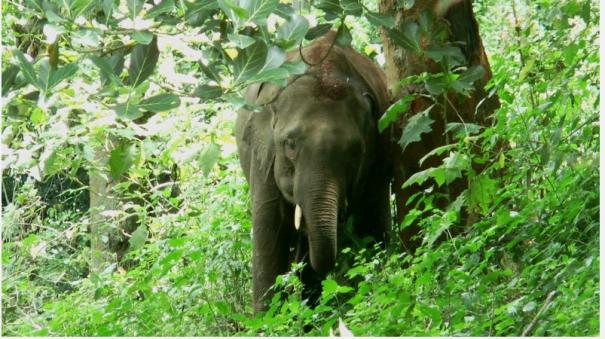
(156,84)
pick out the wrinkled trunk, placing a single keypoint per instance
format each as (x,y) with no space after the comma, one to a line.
(321,215)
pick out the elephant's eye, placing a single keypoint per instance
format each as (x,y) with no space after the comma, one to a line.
(290,147)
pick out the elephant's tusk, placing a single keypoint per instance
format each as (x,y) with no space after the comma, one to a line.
(297,217)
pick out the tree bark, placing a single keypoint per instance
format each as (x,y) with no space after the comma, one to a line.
(461,26)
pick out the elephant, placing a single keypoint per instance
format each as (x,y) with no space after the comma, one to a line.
(313,156)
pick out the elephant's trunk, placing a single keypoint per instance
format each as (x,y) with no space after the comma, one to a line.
(321,216)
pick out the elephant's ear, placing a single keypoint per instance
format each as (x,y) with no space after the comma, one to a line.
(259,131)
(374,79)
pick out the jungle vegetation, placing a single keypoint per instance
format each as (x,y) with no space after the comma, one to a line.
(125,211)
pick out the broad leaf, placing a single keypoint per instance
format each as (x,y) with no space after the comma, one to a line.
(351,7)
(391,114)
(27,69)
(293,31)
(105,69)
(408,37)
(207,92)
(208,158)
(86,38)
(166,6)
(138,237)
(332,8)
(142,37)
(120,159)
(318,31)
(249,61)
(378,19)
(344,38)
(128,110)
(240,41)
(134,7)
(418,124)
(259,10)
(143,60)
(451,53)
(62,73)
(160,103)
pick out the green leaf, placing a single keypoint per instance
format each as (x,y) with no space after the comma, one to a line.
(134,7)
(278,76)
(454,164)
(105,69)
(160,103)
(437,151)
(275,58)
(128,110)
(391,114)
(378,19)
(332,8)
(166,6)
(259,10)
(27,69)
(481,192)
(209,157)
(143,60)
(142,37)
(418,124)
(80,7)
(471,75)
(240,41)
(208,92)
(293,31)
(344,38)
(451,53)
(9,75)
(431,312)
(234,12)
(294,67)
(318,31)
(120,159)
(86,38)
(249,61)
(351,7)
(437,85)
(62,73)
(138,237)
(408,37)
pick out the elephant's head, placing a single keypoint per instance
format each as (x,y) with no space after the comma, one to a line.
(324,144)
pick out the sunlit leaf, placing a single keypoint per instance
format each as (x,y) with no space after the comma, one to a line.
(143,60)
(160,103)
(417,125)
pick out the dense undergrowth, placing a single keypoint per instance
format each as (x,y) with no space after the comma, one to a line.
(529,264)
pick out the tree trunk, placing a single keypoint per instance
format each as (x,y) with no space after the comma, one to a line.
(460,26)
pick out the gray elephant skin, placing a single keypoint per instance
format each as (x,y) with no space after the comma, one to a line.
(313,156)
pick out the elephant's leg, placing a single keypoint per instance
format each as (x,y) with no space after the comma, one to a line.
(271,228)
(374,216)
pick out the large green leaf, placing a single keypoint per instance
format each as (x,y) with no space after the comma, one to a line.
(143,60)
(259,10)
(160,103)
(134,7)
(120,159)
(27,69)
(318,31)
(391,114)
(351,7)
(138,237)
(166,6)
(408,37)
(105,69)
(249,61)
(332,8)
(62,73)
(379,19)
(240,41)
(418,124)
(293,31)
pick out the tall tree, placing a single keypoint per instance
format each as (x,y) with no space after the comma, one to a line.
(440,39)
